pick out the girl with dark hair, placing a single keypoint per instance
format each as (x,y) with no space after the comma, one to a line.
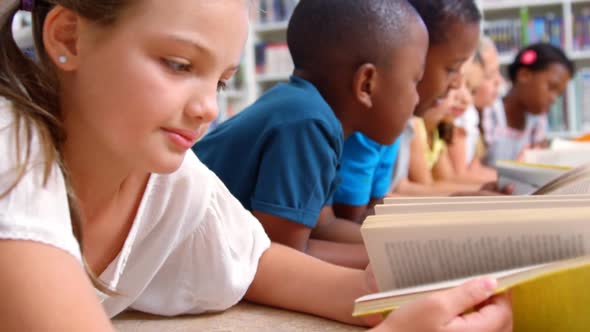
(539,75)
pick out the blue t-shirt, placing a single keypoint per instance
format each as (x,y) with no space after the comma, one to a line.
(366,170)
(280,155)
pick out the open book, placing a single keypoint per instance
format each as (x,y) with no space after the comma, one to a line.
(561,153)
(538,246)
(540,179)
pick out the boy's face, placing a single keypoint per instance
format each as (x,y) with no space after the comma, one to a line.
(444,62)
(396,95)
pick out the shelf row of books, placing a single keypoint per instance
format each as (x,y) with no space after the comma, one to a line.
(273,58)
(511,34)
(582,30)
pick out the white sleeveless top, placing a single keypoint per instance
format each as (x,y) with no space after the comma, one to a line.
(192,248)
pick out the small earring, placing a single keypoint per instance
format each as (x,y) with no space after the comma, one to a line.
(62,59)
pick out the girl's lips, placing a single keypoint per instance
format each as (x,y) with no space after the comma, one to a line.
(183,138)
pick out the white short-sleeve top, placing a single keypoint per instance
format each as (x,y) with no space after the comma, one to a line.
(192,248)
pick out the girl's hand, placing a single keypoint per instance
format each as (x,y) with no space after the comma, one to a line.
(444,311)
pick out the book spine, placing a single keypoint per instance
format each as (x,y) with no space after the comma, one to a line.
(524,21)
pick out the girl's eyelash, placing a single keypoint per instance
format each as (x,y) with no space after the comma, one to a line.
(177,66)
(221,86)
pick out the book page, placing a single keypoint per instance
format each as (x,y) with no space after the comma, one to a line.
(440,285)
(531,174)
(576,181)
(572,158)
(572,201)
(469,199)
(582,187)
(414,253)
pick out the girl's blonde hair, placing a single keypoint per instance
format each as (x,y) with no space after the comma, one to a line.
(32,88)
(474,70)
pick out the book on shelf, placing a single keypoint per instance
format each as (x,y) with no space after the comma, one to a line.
(581,30)
(544,179)
(273,58)
(537,246)
(511,34)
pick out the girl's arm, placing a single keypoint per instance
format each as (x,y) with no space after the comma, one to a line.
(487,173)
(443,171)
(419,171)
(45,289)
(457,150)
(292,280)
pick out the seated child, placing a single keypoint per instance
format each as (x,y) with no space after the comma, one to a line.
(289,142)
(539,74)
(367,167)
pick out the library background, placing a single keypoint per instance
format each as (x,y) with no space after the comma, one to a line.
(511,24)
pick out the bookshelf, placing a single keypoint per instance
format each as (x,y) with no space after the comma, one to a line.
(565,23)
(272,60)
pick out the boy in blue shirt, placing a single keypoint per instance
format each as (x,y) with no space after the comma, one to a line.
(366,174)
(367,167)
(280,157)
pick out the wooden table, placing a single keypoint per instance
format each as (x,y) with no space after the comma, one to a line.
(242,318)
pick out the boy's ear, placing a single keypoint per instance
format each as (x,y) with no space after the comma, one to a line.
(61,37)
(365,82)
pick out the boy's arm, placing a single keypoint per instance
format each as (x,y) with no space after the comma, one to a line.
(297,236)
(356,213)
(337,229)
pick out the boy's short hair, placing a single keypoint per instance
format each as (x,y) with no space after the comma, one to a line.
(348,32)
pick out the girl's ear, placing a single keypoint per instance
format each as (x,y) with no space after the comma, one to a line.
(364,84)
(61,37)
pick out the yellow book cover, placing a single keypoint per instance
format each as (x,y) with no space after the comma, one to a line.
(548,297)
